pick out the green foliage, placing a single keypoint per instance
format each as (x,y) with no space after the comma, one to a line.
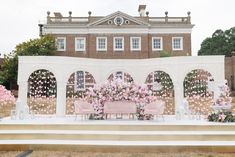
(164,53)
(8,70)
(1,78)
(221,117)
(221,43)
(34,47)
(37,47)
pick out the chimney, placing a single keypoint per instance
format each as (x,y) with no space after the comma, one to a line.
(141,10)
(40,29)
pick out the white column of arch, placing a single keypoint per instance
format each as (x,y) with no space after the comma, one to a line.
(22,97)
(177,75)
(179,95)
(61,99)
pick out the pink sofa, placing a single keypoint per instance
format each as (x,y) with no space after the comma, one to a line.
(155,108)
(83,108)
(120,107)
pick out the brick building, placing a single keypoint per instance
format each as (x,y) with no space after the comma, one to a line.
(119,35)
(229,67)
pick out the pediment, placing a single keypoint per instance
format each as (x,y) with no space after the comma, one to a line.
(119,19)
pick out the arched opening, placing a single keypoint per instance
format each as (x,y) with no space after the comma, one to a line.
(42,92)
(162,86)
(198,92)
(125,77)
(77,85)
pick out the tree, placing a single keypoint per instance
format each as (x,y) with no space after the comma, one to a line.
(34,47)
(221,43)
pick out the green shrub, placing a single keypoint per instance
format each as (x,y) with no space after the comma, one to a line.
(222,116)
(164,53)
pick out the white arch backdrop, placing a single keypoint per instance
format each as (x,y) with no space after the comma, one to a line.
(63,67)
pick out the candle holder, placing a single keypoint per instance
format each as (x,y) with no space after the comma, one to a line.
(13,114)
(21,115)
(32,115)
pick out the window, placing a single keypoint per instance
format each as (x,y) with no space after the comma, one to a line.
(110,22)
(135,43)
(118,44)
(127,22)
(118,20)
(80,44)
(80,80)
(156,81)
(61,43)
(101,43)
(177,43)
(118,75)
(157,43)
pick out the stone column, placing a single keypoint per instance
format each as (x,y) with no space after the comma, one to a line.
(61,99)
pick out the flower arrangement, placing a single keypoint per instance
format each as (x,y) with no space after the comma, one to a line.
(221,116)
(118,90)
(222,99)
(7,102)
(6,96)
(222,105)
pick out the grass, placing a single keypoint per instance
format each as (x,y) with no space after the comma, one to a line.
(9,153)
(121,154)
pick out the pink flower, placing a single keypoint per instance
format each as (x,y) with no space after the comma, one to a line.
(222,117)
(5,95)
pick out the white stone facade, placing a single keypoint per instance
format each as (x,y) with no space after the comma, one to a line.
(139,69)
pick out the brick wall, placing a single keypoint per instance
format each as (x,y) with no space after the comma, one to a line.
(167,45)
(230,71)
(146,46)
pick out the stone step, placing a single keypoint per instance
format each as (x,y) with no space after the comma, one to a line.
(122,127)
(118,135)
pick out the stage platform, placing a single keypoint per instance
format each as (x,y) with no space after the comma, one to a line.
(57,133)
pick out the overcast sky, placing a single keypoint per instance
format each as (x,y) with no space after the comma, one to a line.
(20,18)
